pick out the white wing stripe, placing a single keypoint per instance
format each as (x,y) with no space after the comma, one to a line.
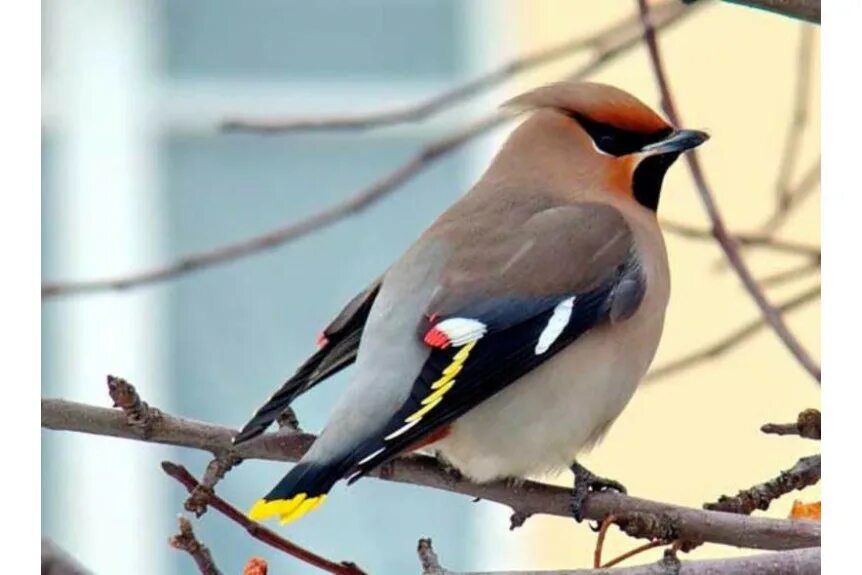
(558,322)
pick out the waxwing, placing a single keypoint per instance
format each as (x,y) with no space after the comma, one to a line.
(513,332)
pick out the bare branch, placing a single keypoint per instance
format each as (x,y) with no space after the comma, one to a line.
(55,561)
(807,425)
(636,551)
(807,184)
(797,562)
(808,10)
(805,473)
(729,341)
(719,230)
(744,239)
(428,558)
(269,240)
(186,541)
(665,14)
(257,530)
(529,497)
(140,415)
(793,143)
(790,274)
(215,471)
(610,49)
(600,539)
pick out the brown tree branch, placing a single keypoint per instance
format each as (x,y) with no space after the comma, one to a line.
(784,276)
(665,14)
(729,341)
(807,10)
(258,531)
(186,541)
(796,562)
(807,425)
(55,561)
(530,497)
(600,539)
(274,238)
(805,473)
(719,229)
(807,184)
(793,143)
(631,553)
(214,472)
(610,49)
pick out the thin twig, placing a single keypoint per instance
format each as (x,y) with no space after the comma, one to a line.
(728,244)
(807,184)
(258,531)
(139,414)
(215,471)
(269,240)
(799,122)
(428,558)
(186,541)
(797,562)
(631,553)
(790,274)
(807,10)
(611,48)
(600,539)
(804,473)
(744,239)
(666,13)
(528,497)
(730,341)
(807,425)
(55,561)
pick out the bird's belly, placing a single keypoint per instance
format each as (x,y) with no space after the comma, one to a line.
(541,421)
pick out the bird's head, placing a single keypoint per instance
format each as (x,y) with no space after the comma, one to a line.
(612,129)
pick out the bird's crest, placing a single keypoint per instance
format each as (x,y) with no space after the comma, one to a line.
(596,102)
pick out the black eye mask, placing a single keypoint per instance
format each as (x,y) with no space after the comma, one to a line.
(616,141)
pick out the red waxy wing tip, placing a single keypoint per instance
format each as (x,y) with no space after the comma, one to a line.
(436,338)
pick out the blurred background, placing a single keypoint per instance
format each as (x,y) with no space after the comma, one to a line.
(136,172)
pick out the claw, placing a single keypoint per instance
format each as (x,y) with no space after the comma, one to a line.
(585,483)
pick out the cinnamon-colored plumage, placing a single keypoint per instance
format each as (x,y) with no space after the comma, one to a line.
(514,331)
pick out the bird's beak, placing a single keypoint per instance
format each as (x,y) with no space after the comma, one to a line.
(678,141)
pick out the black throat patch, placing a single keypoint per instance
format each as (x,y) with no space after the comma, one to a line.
(648,177)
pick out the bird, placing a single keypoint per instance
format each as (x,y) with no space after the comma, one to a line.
(510,336)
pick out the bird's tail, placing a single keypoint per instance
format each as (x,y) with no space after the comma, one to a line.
(301,490)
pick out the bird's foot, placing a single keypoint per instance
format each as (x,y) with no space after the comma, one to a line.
(587,482)
(452,473)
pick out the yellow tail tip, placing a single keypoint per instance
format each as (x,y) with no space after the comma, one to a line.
(287,509)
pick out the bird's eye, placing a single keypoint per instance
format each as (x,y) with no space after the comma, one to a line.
(616,141)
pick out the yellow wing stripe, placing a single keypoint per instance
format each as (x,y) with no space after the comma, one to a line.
(287,509)
(448,375)
(444,384)
(461,356)
(439,393)
(421,412)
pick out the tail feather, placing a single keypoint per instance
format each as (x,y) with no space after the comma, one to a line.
(303,489)
(324,363)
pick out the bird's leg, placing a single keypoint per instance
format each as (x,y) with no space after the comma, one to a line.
(587,482)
